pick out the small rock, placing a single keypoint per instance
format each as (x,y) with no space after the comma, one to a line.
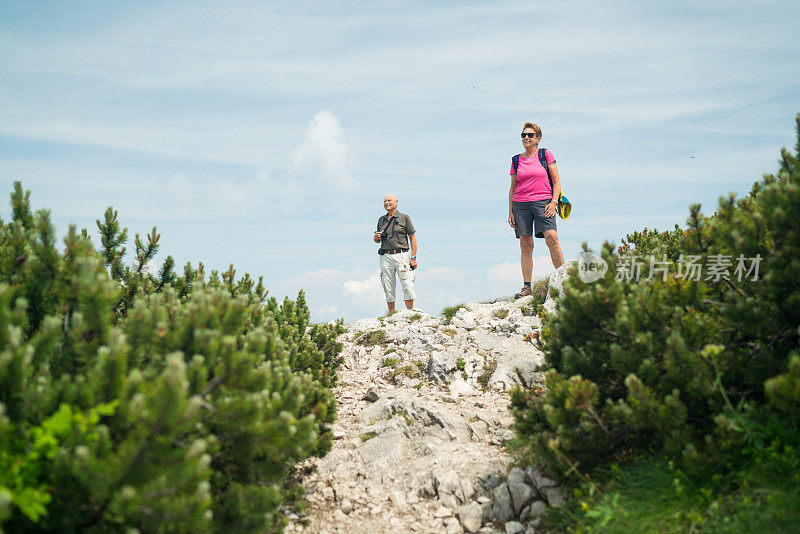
(521,494)
(339,516)
(447,501)
(454,528)
(398,498)
(376,510)
(370,396)
(347,506)
(443,512)
(534,510)
(460,388)
(501,508)
(470,516)
(327,492)
(555,496)
(539,479)
(441,364)
(514,527)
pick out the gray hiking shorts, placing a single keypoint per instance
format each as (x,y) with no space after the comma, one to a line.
(529,216)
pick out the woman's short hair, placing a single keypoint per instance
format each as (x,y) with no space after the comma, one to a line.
(534,127)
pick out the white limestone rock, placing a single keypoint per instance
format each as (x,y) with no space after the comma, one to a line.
(460,388)
(470,516)
(556,286)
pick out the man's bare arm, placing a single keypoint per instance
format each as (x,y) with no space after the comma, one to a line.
(413,239)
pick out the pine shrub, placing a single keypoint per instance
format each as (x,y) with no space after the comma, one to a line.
(706,372)
(150,401)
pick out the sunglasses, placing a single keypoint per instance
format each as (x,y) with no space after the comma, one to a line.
(527,134)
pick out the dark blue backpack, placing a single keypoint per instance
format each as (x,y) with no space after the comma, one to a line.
(564,207)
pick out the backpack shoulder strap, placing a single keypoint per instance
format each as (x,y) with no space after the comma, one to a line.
(515,163)
(543,161)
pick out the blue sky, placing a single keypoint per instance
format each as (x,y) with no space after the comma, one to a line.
(265,134)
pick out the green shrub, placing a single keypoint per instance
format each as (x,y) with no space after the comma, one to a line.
(414,318)
(652,242)
(460,363)
(151,402)
(701,371)
(388,362)
(450,312)
(500,314)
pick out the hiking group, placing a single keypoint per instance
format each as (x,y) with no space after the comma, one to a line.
(534,198)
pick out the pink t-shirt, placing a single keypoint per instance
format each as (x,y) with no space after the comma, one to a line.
(532,182)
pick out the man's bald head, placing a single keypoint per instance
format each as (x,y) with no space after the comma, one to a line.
(390,202)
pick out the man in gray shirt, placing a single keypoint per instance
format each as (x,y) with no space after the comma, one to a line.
(396,233)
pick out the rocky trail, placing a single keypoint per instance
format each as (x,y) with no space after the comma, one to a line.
(419,445)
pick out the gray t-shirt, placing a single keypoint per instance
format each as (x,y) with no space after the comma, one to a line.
(396,234)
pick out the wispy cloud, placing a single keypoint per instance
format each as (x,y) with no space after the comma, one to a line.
(367,290)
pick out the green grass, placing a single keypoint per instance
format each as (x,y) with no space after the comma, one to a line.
(450,311)
(414,318)
(450,332)
(653,496)
(388,362)
(501,313)
(407,370)
(488,371)
(460,363)
(539,291)
(366,436)
(375,337)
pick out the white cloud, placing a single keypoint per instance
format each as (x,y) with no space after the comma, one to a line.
(366,290)
(504,272)
(322,156)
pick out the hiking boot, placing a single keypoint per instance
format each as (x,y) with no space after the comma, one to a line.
(524,292)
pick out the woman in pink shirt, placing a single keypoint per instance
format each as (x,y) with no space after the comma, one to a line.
(532,204)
